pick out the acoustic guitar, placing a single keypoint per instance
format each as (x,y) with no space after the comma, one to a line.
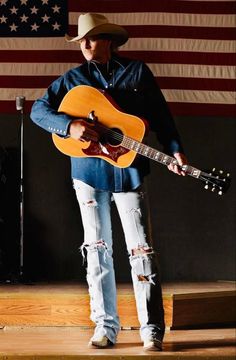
(119,136)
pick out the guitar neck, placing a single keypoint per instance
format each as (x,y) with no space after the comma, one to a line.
(156,155)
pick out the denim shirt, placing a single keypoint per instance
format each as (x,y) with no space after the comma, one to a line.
(132,86)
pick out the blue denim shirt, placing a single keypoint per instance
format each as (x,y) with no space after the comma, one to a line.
(133,87)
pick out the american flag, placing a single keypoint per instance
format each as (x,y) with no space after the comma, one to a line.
(188,44)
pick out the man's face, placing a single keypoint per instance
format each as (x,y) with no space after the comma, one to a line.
(95,48)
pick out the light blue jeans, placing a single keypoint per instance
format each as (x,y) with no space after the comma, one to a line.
(95,207)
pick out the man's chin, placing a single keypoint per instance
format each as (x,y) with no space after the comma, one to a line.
(89,57)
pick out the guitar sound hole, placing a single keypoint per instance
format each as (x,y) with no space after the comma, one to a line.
(113,137)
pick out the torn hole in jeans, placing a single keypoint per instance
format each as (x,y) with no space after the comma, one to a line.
(95,246)
(150,279)
(143,262)
(90,203)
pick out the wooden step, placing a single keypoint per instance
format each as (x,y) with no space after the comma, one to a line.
(186,305)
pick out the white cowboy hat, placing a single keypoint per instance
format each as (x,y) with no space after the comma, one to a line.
(91,24)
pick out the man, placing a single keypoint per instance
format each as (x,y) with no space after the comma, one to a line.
(96,182)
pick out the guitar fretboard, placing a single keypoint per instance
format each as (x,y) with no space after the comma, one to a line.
(156,155)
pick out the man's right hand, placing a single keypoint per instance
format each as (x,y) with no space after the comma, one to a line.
(81,130)
(77,129)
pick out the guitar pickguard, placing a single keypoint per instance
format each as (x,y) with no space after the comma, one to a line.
(108,151)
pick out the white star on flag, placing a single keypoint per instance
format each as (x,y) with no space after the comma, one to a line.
(56,9)
(3,2)
(3,19)
(34,27)
(13,27)
(56,26)
(34,10)
(14,10)
(24,18)
(45,18)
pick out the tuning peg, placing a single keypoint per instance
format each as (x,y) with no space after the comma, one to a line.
(228,174)
(206,187)
(220,192)
(213,189)
(221,171)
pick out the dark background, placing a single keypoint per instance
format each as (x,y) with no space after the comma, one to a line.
(193,229)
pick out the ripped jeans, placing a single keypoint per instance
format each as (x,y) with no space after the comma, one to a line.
(95,207)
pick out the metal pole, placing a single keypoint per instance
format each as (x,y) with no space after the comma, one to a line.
(20,106)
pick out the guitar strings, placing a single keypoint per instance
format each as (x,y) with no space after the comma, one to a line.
(117,136)
(112,133)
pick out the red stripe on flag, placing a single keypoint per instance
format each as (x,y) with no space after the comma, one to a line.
(196,83)
(169,6)
(42,56)
(181,32)
(9,107)
(182,57)
(191,109)
(163,57)
(29,82)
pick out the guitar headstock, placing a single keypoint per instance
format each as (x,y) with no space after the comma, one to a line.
(216,181)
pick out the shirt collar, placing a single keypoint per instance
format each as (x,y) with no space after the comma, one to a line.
(115,61)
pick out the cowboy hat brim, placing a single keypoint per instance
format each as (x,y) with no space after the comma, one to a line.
(118,33)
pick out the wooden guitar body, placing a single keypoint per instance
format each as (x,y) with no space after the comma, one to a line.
(83,102)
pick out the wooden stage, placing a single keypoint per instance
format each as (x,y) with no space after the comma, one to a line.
(71,343)
(51,321)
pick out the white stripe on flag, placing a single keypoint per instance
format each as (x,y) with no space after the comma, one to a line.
(167,70)
(134,44)
(190,45)
(163,18)
(200,96)
(193,71)
(190,96)
(24,69)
